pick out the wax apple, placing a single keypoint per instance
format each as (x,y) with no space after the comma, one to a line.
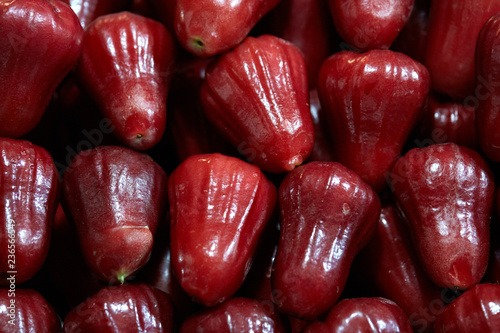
(488,80)
(368,25)
(453,32)
(257,96)
(116,197)
(371,101)
(89,10)
(219,206)
(29,193)
(25,310)
(327,215)
(445,192)
(36,55)
(127,308)
(322,150)
(209,27)
(126,67)
(363,315)
(475,311)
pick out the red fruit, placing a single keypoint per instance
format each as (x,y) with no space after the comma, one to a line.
(368,25)
(445,193)
(209,27)
(25,310)
(41,41)
(236,315)
(127,308)
(88,10)
(322,150)
(126,66)
(328,214)
(488,80)
(371,101)
(363,315)
(257,96)
(219,206)
(116,197)
(29,193)
(475,311)
(453,31)
(390,265)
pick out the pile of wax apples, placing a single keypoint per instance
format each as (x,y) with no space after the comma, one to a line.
(323,166)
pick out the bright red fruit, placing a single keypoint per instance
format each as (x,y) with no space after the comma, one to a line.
(209,27)
(445,193)
(219,206)
(371,101)
(126,66)
(488,93)
(475,311)
(25,310)
(29,193)
(363,315)
(236,315)
(124,308)
(368,25)
(41,41)
(116,197)
(257,96)
(453,31)
(88,10)
(327,215)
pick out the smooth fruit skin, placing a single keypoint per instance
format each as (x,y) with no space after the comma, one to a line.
(322,150)
(371,102)
(219,206)
(368,25)
(25,310)
(41,41)
(234,316)
(257,96)
(29,192)
(210,27)
(365,314)
(487,65)
(124,308)
(453,32)
(390,266)
(88,10)
(126,66)
(327,215)
(445,193)
(475,311)
(115,197)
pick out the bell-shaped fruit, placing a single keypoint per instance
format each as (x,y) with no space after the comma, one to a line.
(89,10)
(126,67)
(219,206)
(257,96)
(116,198)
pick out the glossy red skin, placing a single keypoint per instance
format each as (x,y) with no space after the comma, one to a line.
(391,265)
(322,150)
(234,316)
(368,25)
(327,215)
(124,308)
(36,55)
(309,26)
(475,311)
(115,197)
(371,102)
(219,206)
(31,312)
(257,96)
(363,314)
(210,27)
(126,66)
(453,31)
(487,64)
(445,193)
(29,192)
(88,10)
(448,122)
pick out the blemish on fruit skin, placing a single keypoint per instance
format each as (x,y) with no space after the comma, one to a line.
(346,209)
